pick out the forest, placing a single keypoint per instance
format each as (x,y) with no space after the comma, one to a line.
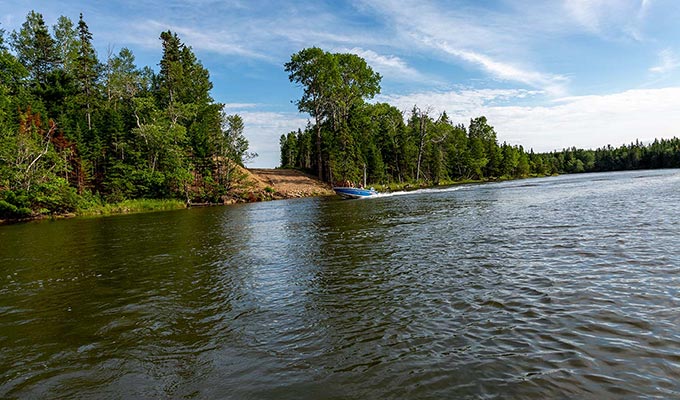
(349,136)
(77,131)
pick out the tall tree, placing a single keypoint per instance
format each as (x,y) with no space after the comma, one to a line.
(12,75)
(236,142)
(420,119)
(171,70)
(87,69)
(357,81)
(122,78)
(333,85)
(147,135)
(484,133)
(35,48)
(184,92)
(442,130)
(289,149)
(66,40)
(317,72)
(457,152)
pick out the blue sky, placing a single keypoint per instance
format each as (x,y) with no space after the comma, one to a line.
(547,74)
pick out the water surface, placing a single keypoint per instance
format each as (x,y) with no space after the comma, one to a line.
(563,287)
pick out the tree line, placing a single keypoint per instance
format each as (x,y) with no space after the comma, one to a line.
(661,153)
(350,138)
(76,130)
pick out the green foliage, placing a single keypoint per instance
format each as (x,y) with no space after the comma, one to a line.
(66,41)
(289,149)
(350,138)
(353,137)
(334,89)
(130,206)
(35,47)
(662,153)
(10,211)
(235,145)
(55,196)
(76,133)
(14,204)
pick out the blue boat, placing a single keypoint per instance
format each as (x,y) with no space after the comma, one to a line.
(354,193)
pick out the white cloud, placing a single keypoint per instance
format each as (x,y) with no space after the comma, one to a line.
(460,105)
(644,7)
(609,18)
(231,107)
(263,130)
(552,84)
(389,66)
(587,13)
(219,42)
(668,61)
(581,121)
(496,43)
(593,121)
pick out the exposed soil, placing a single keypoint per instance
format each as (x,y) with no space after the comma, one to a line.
(289,183)
(273,184)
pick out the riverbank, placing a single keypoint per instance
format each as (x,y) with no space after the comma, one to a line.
(259,184)
(95,209)
(253,185)
(290,183)
(133,206)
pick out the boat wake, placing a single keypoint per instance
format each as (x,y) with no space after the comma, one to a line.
(417,191)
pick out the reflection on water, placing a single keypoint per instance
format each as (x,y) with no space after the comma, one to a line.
(541,288)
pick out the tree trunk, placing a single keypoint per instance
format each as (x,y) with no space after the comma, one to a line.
(319,159)
(420,147)
(318,151)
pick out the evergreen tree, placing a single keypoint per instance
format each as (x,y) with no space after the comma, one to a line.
(69,126)
(87,70)
(289,149)
(35,48)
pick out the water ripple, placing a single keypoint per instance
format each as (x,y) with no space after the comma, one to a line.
(565,287)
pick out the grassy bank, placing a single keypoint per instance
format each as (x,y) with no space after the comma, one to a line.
(131,206)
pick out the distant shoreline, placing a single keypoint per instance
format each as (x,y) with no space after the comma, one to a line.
(260,185)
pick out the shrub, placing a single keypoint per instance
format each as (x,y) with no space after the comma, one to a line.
(55,196)
(8,210)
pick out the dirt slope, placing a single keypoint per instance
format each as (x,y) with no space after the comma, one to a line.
(289,183)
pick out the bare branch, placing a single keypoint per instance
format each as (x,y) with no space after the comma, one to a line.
(48,137)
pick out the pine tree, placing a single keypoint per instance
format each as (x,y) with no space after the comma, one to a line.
(35,48)
(87,70)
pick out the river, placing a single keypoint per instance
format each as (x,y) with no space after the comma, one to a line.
(559,287)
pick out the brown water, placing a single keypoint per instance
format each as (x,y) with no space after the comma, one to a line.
(565,287)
